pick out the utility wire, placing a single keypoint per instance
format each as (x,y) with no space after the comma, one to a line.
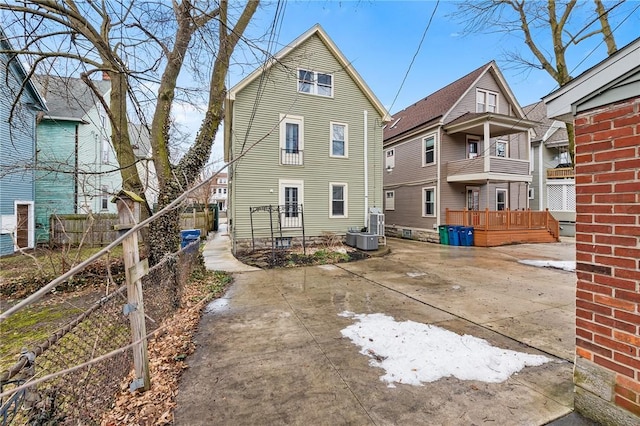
(424,34)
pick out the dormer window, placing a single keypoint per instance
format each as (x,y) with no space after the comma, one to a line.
(315,83)
(486,101)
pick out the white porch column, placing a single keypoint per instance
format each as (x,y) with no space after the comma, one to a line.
(486,147)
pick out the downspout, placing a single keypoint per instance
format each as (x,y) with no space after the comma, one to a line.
(541,189)
(366,169)
(438,181)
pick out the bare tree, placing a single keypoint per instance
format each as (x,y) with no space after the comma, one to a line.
(139,45)
(547,28)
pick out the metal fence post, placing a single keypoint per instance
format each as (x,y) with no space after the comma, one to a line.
(128,205)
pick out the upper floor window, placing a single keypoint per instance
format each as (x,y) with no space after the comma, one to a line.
(486,101)
(390,159)
(222,180)
(315,83)
(429,149)
(291,139)
(472,148)
(502,149)
(105,151)
(339,136)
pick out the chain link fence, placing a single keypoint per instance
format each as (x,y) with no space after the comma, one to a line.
(95,347)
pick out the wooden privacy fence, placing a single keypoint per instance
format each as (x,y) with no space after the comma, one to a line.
(504,220)
(98,229)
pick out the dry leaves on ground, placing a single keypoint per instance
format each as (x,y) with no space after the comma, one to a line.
(167,352)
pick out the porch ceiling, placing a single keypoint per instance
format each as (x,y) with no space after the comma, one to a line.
(499,124)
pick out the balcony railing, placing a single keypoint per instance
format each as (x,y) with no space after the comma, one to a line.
(561,173)
(289,157)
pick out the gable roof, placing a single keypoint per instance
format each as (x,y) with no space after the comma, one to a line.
(615,74)
(435,107)
(5,45)
(347,66)
(69,98)
(549,131)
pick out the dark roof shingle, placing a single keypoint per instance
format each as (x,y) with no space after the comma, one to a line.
(432,107)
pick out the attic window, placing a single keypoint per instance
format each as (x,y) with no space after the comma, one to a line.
(315,83)
(486,101)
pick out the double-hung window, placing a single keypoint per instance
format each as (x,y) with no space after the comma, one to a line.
(501,199)
(291,140)
(429,201)
(338,194)
(502,149)
(429,149)
(339,137)
(390,159)
(390,200)
(315,83)
(486,101)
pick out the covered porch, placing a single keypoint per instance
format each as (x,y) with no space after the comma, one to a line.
(502,227)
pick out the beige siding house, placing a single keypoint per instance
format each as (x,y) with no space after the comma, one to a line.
(303,135)
(465,146)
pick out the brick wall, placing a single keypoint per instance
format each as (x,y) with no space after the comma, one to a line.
(607,373)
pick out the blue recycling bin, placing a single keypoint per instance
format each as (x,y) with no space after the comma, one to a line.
(454,235)
(466,235)
(188,236)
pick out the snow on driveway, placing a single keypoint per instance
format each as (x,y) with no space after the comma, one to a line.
(566,265)
(414,353)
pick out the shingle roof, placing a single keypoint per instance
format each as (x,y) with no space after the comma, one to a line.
(69,97)
(433,106)
(538,112)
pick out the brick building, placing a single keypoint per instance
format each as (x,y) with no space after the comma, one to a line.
(604,105)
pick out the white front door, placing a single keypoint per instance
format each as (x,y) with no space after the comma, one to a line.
(291,201)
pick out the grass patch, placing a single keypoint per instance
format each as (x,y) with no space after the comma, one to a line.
(29,327)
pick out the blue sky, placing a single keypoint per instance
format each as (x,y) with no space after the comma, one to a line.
(381,37)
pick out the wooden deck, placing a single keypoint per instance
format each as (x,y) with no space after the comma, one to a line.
(496,228)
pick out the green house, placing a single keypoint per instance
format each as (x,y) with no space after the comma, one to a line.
(303,136)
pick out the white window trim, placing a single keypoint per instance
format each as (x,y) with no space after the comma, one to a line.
(532,193)
(390,159)
(346,139)
(468,152)
(393,197)
(346,200)
(314,90)
(424,201)
(424,149)
(293,119)
(506,148)
(486,99)
(506,198)
(282,183)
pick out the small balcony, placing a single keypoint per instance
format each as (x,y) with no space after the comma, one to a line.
(561,173)
(482,169)
(291,157)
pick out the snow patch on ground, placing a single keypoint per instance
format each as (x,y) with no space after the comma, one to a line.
(415,274)
(566,265)
(414,353)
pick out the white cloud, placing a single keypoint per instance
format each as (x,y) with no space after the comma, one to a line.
(414,353)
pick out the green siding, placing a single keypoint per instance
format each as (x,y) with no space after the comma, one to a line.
(257,174)
(55,180)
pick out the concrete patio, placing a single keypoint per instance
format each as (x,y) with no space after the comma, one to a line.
(271,352)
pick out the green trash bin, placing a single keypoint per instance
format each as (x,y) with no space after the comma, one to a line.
(444,235)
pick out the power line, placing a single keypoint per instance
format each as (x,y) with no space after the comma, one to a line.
(424,34)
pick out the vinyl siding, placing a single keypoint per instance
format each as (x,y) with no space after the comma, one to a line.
(55,187)
(17,148)
(93,172)
(468,101)
(255,177)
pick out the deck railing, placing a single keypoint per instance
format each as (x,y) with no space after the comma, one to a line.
(502,220)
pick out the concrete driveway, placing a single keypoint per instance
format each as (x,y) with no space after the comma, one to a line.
(271,352)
